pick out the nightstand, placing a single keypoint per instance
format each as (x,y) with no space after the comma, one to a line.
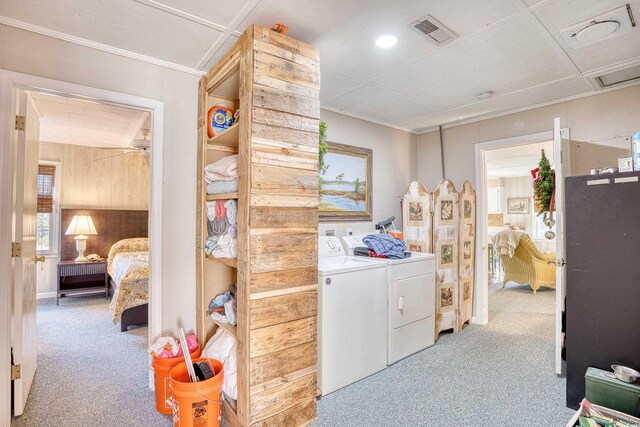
(82,278)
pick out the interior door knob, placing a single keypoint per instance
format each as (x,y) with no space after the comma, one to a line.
(38,258)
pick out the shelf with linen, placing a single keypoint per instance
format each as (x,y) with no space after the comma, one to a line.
(231,262)
(222,196)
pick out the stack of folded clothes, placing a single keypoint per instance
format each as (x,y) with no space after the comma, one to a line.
(222,176)
(222,228)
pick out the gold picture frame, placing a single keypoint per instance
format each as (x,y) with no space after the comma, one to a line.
(346,184)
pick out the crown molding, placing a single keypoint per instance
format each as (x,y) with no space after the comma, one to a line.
(99,46)
(490,116)
(367,119)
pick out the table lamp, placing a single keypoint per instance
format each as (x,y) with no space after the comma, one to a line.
(80,226)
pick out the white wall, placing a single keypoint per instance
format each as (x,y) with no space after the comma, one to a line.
(519,187)
(30,53)
(595,118)
(394,166)
(394,156)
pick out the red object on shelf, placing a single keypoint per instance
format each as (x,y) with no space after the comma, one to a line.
(280,28)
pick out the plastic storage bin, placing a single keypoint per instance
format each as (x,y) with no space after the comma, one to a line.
(604,389)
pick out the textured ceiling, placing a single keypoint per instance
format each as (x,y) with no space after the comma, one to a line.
(516,161)
(81,122)
(511,47)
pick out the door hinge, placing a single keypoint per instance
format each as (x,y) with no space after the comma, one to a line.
(16,249)
(16,372)
(19,122)
(560,262)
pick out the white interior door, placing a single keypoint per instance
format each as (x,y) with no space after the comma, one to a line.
(561,156)
(23,339)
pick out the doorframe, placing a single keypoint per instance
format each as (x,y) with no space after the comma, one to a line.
(481,302)
(9,82)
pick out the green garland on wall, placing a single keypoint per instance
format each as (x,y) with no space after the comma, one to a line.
(543,185)
(322,145)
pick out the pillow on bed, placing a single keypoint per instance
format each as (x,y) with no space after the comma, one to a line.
(136,244)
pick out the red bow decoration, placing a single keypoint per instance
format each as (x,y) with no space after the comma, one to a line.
(534,172)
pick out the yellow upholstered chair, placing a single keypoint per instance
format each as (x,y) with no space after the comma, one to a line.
(529,266)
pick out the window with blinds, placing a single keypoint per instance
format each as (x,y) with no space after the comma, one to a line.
(46,230)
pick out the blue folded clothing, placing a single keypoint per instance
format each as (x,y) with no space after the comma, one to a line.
(387,245)
(219,187)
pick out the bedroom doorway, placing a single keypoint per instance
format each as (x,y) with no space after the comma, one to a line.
(75,167)
(514,240)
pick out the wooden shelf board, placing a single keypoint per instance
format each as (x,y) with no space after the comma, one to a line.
(230,150)
(230,262)
(227,138)
(222,196)
(232,329)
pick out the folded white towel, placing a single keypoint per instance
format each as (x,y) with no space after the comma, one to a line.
(225,169)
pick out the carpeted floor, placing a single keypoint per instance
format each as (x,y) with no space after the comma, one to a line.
(90,374)
(501,374)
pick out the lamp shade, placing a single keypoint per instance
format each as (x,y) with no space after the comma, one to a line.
(81,224)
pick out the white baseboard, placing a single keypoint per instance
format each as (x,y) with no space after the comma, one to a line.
(43,295)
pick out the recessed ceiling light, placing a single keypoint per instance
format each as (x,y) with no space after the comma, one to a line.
(386,41)
(485,95)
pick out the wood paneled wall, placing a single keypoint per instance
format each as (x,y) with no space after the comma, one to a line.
(120,182)
(281,254)
(277,262)
(111,225)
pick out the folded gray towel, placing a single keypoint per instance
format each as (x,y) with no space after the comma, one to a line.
(219,187)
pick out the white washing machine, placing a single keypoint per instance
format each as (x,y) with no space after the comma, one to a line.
(412,299)
(352,313)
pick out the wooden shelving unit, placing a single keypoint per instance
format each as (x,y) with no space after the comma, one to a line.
(274,81)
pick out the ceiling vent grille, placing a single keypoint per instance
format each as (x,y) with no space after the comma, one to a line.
(620,77)
(433,30)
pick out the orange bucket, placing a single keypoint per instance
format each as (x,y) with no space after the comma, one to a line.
(161,368)
(196,404)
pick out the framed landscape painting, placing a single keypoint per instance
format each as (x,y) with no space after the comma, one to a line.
(345,184)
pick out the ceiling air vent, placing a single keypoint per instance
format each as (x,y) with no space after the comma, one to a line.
(434,31)
(628,75)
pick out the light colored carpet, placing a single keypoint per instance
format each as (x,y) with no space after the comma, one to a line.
(501,374)
(89,373)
